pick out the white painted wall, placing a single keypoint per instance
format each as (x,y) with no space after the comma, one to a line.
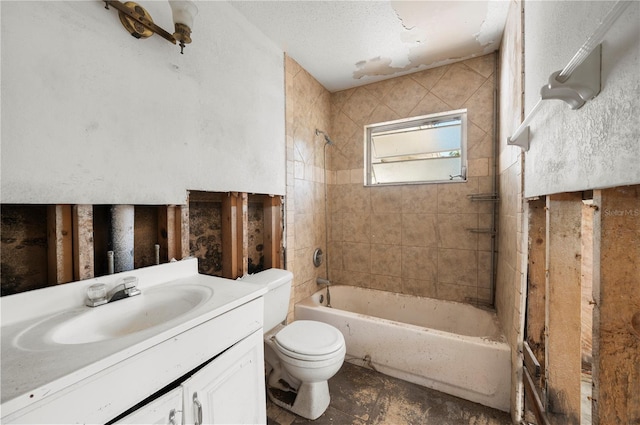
(91,115)
(598,145)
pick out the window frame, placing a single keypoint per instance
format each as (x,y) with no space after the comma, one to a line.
(407,123)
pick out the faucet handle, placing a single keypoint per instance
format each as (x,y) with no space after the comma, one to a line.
(128,282)
(96,295)
(129,285)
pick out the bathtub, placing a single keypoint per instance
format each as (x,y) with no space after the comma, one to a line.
(450,347)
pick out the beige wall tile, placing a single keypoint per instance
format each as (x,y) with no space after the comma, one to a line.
(382,113)
(358,199)
(386,283)
(386,199)
(304,232)
(386,260)
(484,270)
(381,88)
(422,288)
(430,104)
(453,197)
(420,230)
(336,227)
(480,106)
(303,268)
(430,77)
(483,65)
(386,229)
(404,96)
(419,198)
(458,266)
(356,257)
(408,218)
(357,176)
(338,99)
(419,263)
(335,256)
(457,85)
(356,227)
(478,167)
(453,231)
(452,292)
(360,106)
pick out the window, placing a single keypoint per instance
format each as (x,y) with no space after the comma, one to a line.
(426,149)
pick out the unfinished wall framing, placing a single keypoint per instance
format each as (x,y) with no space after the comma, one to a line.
(585,254)
(45,245)
(235,233)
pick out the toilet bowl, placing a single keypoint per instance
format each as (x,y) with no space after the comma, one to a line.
(302,357)
(299,357)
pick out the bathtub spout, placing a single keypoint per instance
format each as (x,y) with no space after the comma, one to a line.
(321,281)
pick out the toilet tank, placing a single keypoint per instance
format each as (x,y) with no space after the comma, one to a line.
(276,300)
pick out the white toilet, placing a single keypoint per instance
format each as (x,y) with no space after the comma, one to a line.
(300,357)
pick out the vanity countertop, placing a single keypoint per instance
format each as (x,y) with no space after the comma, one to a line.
(32,370)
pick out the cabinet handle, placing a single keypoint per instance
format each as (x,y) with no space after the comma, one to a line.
(198,409)
(172,417)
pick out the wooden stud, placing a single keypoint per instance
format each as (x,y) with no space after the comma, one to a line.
(531,363)
(616,291)
(83,251)
(230,236)
(272,231)
(182,231)
(243,234)
(534,399)
(60,244)
(535,332)
(166,232)
(563,359)
(173,232)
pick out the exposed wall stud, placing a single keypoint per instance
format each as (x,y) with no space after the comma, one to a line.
(563,363)
(83,261)
(60,244)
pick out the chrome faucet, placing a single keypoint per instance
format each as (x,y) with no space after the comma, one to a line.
(125,288)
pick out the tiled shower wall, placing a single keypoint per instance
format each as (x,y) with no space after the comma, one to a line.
(307,108)
(413,239)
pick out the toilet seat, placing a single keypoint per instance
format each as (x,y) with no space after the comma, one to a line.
(309,340)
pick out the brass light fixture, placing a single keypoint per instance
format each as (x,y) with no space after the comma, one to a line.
(137,21)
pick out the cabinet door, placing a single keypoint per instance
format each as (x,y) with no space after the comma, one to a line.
(166,409)
(231,389)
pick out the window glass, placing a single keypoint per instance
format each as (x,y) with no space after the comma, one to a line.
(426,149)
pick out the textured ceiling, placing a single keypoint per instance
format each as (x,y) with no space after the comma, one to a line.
(345,44)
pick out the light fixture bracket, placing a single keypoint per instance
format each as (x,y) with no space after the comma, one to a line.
(137,21)
(133,25)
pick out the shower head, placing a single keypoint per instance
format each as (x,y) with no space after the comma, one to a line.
(326,136)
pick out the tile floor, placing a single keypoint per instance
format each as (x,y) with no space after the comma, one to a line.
(361,396)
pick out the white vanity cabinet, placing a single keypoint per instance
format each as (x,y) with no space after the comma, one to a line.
(166,409)
(213,352)
(230,389)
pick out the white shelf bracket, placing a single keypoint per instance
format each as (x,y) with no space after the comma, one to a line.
(522,140)
(581,86)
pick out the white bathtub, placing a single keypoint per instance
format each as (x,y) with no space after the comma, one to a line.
(451,347)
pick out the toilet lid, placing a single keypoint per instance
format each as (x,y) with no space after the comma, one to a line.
(310,338)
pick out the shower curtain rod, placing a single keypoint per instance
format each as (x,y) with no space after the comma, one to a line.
(584,67)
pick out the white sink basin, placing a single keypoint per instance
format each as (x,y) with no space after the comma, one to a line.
(162,305)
